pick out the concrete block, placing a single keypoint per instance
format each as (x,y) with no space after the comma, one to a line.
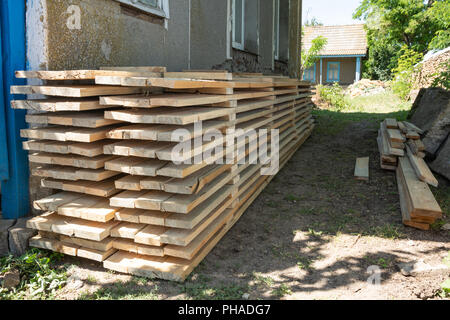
(19,235)
(4,227)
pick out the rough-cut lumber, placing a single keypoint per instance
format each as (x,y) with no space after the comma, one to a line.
(362,169)
(167,100)
(423,201)
(391,123)
(83,74)
(93,119)
(422,170)
(59,104)
(163,115)
(75,91)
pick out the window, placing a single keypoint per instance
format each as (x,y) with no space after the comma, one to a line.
(156,7)
(238,24)
(281,30)
(310,74)
(245,19)
(333,70)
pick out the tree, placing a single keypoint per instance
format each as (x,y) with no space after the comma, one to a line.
(311,57)
(392,24)
(313,22)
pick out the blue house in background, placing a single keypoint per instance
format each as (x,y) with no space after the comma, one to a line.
(341,59)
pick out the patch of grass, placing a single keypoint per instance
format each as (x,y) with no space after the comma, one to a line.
(272,204)
(39,276)
(387,231)
(122,291)
(291,197)
(202,291)
(445,288)
(262,280)
(306,211)
(315,233)
(282,291)
(442,195)
(91,279)
(305,264)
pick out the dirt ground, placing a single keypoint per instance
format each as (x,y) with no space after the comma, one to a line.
(311,234)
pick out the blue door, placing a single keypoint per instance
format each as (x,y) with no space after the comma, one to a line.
(14,170)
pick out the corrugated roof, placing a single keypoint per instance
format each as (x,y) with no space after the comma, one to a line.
(342,40)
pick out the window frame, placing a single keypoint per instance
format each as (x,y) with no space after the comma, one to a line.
(328,71)
(238,45)
(162,9)
(314,74)
(276,29)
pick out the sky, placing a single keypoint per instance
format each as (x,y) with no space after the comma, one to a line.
(330,12)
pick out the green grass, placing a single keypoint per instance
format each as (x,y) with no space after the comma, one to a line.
(40,277)
(282,291)
(386,231)
(261,280)
(373,108)
(123,291)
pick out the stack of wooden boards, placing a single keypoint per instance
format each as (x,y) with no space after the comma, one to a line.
(401,150)
(108,144)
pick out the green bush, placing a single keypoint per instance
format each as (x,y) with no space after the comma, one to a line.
(333,95)
(404,72)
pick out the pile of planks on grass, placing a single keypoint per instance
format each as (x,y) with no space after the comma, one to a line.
(107,146)
(402,151)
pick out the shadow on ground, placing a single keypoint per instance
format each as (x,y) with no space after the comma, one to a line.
(311,234)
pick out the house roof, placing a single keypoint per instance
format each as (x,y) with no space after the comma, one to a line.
(342,40)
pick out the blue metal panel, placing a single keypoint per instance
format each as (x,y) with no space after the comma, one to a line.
(4,170)
(15,198)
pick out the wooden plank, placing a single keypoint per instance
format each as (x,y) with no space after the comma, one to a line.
(163,115)
(70,160)
(136,166)
(391,123)
(82,74)
(75,91)
(93,119)
(166,99)
(413,127)
(126,230)
(200,75)
(136,69)
(150,235)
(423,201)
(422,170)
(103,245)
(406,216)
(88,208)
(72,174)
(130,246)
(386,142)
(95,255)
(62,133)
(362,169)
(58,104)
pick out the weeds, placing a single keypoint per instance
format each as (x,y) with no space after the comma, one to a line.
(38,280)
(282,291)
(261,280)
(387,231)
